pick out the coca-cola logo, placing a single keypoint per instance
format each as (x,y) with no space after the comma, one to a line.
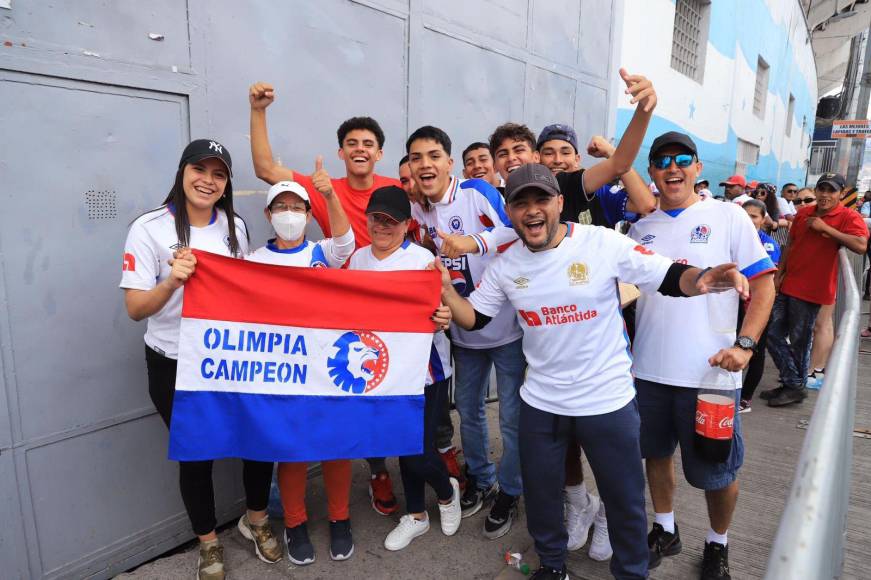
(726,422)
(700,418)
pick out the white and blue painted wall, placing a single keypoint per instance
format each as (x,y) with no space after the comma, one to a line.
(718,111)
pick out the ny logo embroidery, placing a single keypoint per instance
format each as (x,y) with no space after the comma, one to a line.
(217,147)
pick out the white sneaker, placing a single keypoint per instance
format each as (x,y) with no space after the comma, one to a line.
(407,530)
(578,521)
(600,547)
(451,513)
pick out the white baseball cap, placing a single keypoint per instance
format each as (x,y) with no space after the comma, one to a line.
(283,186)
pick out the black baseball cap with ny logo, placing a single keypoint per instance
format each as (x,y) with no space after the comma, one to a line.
(200,149)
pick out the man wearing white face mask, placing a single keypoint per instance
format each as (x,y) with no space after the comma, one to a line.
(288,210)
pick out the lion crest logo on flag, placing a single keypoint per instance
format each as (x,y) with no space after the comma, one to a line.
(360,362)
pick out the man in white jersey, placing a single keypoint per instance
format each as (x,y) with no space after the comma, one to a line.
(454,208)
(561,280)
(288,209)
(675,346)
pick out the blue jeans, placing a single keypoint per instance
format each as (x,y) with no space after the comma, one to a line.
(794,319)
(471,381)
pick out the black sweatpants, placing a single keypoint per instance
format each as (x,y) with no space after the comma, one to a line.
(195,477)
(428,467)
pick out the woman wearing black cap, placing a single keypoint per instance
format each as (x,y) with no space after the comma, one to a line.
(197,213)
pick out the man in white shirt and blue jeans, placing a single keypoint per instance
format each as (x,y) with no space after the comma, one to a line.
(561,279)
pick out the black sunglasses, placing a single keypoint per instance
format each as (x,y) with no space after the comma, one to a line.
(805,200)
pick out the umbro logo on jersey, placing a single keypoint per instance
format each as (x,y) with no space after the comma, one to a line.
(578,274)
(521,283)
(176,246)
(700,234)
(648,239)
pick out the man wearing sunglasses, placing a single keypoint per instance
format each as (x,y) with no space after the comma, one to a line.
(675,346)
(807,279)
(787,195)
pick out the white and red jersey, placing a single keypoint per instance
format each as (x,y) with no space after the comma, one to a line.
(473,207)
(567,302)
(325,253)
(150,244)
(673,337)
(410,257)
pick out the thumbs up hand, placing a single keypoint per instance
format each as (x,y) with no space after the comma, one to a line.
(321,179)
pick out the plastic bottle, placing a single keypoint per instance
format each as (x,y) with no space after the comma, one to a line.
(715,415)
(515,560)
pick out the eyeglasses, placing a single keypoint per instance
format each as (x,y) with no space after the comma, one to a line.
(280,206)
(664,161)
(790,191)
(381,219)
(805,200)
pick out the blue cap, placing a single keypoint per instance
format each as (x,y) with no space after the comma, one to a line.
(558,132)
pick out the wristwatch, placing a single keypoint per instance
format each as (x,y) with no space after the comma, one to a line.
(745,342)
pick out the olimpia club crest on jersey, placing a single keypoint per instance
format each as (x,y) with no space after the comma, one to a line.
(700,234)
(360,362)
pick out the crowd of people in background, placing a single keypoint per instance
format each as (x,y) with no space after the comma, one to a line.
(530,246)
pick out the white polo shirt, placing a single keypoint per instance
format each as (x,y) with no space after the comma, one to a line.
(410,256)
(150,244)
(673,337)
(568,304)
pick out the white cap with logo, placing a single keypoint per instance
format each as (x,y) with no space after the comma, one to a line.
(283,186)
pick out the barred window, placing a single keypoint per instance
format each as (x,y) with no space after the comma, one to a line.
(747,155)
(690,38)
(760,93)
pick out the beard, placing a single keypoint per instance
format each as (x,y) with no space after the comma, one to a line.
(551,228)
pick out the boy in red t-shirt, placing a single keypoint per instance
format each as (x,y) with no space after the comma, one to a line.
(807,279)
(361,141)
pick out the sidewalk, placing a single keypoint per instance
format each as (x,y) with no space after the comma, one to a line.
(773,439)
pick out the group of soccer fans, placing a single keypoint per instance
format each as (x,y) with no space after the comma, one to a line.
(530,262)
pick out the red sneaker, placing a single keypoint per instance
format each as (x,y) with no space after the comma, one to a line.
(450,458)
(381,493)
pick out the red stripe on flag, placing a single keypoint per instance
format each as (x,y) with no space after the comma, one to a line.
(240,291)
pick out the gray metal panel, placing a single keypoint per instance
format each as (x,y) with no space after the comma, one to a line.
(82,167)
(551,99)
(555,30)
(503,20)
(468,101)
(113,31)
(328,61)
(595,39)
(13,548)
(591,116)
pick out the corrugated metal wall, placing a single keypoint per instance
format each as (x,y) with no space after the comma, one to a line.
(97,99)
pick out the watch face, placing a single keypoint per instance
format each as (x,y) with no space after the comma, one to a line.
(745,342)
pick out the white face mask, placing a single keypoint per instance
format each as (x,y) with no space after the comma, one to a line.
(289,225)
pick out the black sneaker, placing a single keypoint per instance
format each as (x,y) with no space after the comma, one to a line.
(546,573)
(299,547)
(502,514)
(341,542)
(788,397)
(715,563)
(771,393)
(661,543)
(474,499)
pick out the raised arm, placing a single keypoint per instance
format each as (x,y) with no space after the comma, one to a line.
(261,95)
(621,161)
(641,200)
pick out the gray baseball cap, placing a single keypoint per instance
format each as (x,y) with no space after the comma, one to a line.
(530,176)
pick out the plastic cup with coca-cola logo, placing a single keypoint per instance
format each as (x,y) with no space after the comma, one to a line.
(715,415)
